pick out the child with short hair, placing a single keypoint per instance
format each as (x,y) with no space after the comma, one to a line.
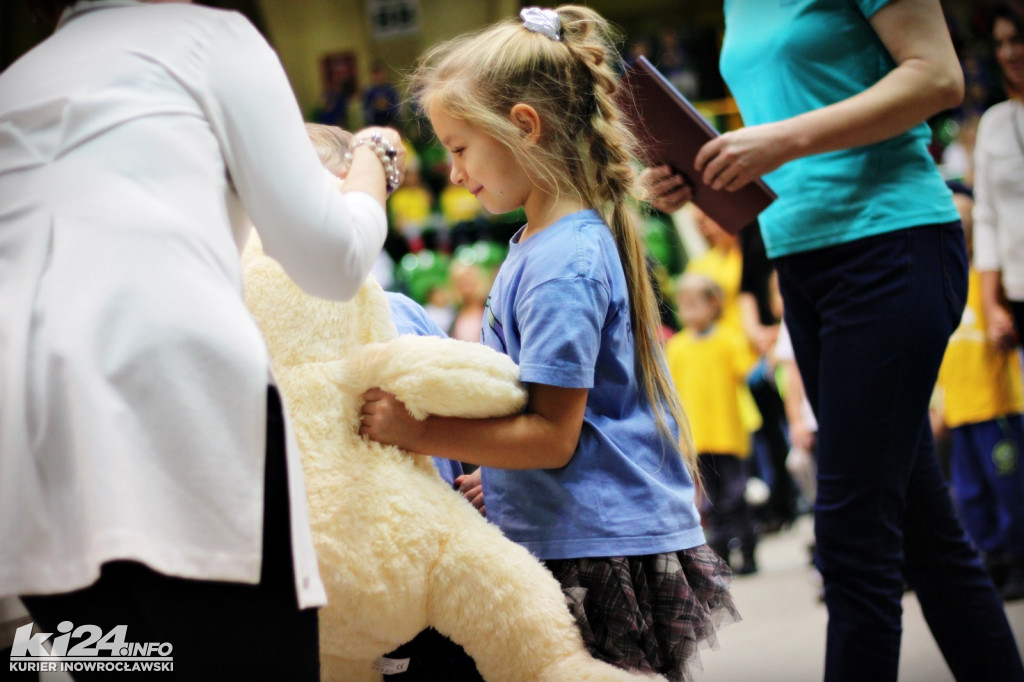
(593,477)
(709,362)
(982,403)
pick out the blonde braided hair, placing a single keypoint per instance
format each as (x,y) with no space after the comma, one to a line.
(586,150)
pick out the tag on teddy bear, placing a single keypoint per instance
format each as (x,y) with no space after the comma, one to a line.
(391,666)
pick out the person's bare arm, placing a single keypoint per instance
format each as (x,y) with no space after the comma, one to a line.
(999,321)
(543,437)
(927,79)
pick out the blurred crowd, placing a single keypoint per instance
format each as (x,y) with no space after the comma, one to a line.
(443,251)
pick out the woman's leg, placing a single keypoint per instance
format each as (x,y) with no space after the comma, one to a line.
(869,322)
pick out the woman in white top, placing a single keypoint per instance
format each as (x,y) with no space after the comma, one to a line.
(136,431)
(999,186)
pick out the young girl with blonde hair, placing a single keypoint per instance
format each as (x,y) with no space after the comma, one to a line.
(594,477)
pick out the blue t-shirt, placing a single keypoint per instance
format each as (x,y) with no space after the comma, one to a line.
(560,309)
(410,318)
(781,58)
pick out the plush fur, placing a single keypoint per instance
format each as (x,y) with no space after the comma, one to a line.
(398,549)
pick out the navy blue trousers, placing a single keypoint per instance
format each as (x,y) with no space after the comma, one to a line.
(870,321)
(728,515)
(988,480)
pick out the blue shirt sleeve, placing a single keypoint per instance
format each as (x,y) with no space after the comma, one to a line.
(560,323)
(410,317)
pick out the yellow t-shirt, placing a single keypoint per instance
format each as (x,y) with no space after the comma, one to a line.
(458,204)
(977,382)
(709,371)
(410,207)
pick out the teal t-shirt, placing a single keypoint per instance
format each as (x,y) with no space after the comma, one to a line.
(781,58)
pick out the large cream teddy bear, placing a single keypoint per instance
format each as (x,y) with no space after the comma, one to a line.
(398,549)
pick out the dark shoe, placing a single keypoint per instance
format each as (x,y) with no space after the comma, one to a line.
(1012,588)
(746,568)
(1012,591)
(749,565)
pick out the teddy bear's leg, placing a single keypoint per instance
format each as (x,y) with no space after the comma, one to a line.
(508,612)
(337,669)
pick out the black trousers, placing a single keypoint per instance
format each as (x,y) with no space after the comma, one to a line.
(781,506)
(218,630)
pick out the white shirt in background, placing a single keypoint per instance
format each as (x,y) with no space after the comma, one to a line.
(999,195)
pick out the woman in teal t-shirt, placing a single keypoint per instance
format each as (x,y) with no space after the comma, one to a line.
(873,271)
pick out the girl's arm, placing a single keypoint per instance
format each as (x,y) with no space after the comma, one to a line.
(543,437)
(927,79)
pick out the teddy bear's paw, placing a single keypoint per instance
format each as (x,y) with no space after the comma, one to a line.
(437,376)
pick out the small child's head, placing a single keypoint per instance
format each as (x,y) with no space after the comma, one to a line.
(331,144)
(542,96)
(470,281)
(700,301)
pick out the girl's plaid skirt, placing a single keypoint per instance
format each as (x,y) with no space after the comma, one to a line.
(650,612)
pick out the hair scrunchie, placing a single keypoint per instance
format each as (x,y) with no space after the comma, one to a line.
(542,20)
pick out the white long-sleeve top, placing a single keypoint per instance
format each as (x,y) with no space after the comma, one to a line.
(999,195)
(133,381)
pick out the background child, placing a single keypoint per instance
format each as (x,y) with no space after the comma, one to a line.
(981,396)
(709,363)
(590,478)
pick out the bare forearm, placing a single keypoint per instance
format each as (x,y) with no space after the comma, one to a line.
(911,93)
(524,441)
(927,79)
(991,290)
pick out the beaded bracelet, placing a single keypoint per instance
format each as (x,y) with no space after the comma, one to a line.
(385,152)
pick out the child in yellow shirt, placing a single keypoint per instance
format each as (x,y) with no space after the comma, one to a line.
(982,399)
(709,362)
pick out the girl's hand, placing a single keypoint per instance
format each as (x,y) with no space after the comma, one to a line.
(668,191)
(385,419)
(734,159)
(472,489)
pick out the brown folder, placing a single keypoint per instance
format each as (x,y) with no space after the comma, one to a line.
(671,132)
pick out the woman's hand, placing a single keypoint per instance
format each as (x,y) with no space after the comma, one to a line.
(668,191)
(1001,332)
(734,159)
(385,419)
(392,137)
(471,487)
